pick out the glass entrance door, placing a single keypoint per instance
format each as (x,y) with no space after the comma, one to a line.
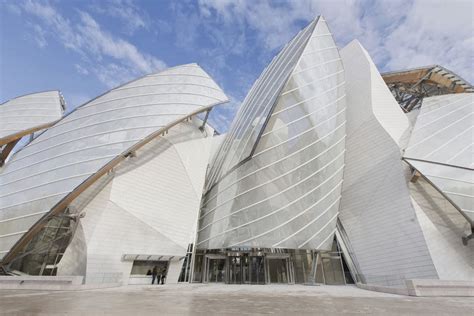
(278,269)
(235,270)
(245,268)
(333,273)
(215,270)
(257,270)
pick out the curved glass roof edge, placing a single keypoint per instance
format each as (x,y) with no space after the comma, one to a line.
(214,176)
(292,64)
(66,113)
(286,59)
(84,185)
(104,168)
(245,112)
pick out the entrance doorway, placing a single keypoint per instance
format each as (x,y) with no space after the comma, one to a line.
(238,266)
(257,270)
(278,270)
(270,266)
(215,269)
(245,268)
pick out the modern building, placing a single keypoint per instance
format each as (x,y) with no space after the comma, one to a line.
(114,184)
(26,115)
(330,173)
(273,190)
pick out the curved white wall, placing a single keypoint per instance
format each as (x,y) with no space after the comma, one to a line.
(149,207)
(376,209)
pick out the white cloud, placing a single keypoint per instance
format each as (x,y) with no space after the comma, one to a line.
(39,35)
(274,24)
(130,16)
(222,115)
(434,33)
(113,75)
(81,70)
(398,34)
(102,43)
(95,45)
(58,25)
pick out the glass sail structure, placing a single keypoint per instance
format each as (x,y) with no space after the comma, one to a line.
(73,152)
(441,148)
(276,181)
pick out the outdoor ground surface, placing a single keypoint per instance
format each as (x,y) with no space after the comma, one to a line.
(227,300)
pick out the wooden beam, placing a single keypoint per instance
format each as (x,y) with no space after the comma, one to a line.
(6,151)
(20,134)
(63,204)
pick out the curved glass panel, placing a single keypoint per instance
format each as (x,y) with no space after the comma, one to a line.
(253,113)
(60,159)
(286,195)
(30,111)
(441,147)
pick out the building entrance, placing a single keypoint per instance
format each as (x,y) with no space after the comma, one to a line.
(271,266)
(215,269)
(257,270)
(278,270)
(245,268)
(238,266)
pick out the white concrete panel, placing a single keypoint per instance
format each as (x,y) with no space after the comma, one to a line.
(376,209)
(161,191)
(150,206)
(443,228)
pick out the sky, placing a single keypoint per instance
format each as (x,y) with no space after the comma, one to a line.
(85,48)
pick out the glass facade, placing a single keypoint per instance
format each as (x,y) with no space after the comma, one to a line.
(29,112)
(63,157)
(253,113)
(271,266)
(441,148)
(185,274)
(44,252)
(286,194)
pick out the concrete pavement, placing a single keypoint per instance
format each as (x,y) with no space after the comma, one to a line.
(202,299)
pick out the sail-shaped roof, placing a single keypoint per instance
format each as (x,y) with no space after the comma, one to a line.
(277,179)
(26,114)
(75,151)
(441,147)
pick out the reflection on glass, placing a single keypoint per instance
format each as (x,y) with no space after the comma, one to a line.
(235,273)
(333,270)
(257,269)
(277,269)
(215,272)
(302,265)
(319,271)
(198,265)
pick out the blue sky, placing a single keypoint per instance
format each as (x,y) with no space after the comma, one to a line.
(85,48)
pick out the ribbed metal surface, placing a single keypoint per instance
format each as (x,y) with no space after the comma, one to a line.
(28,111)
(286,195)
(60,159)
(441,147)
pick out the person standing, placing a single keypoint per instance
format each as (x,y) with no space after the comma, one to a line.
(163,276)
(154,275)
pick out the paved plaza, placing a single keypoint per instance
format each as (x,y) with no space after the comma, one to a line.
(200,299)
